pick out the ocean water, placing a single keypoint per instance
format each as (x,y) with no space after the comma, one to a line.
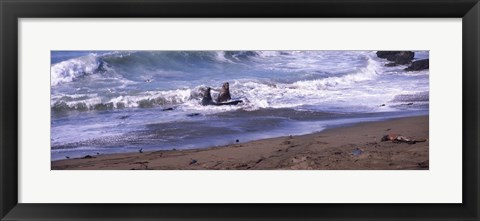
(123,101)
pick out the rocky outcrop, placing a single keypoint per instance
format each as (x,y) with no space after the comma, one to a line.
(418,65)
(403,58)
(397,57)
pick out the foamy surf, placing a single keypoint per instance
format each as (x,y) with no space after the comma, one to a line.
(112,99)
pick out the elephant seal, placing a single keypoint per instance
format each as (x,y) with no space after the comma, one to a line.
(224,94)
(207,97)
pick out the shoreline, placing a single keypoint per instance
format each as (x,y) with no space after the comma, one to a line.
(349,147)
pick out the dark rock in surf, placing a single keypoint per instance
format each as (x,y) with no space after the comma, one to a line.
(398,57)
(193,114)
(404,57)
(386,54)
(418,65)
(87,157)
(168,109)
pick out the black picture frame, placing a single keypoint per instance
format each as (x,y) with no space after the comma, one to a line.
(12,10)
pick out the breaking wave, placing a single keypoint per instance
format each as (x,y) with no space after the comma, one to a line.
(255,93)
(127,63)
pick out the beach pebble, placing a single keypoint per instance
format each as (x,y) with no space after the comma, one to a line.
(260,160)
(298,159)
(193,162)
(423,164)
(357,151)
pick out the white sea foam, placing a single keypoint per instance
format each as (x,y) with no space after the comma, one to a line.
(327,92)
(67,71)
(353,81)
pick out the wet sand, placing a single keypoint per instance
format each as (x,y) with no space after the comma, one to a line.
(353,147)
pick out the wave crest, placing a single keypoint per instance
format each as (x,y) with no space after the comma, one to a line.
(255,94)
(69,70)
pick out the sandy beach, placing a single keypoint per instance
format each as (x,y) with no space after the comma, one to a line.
(352,147)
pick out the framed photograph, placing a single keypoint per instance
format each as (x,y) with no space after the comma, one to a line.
(248,110)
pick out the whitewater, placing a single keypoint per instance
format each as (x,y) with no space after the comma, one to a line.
(123,101)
